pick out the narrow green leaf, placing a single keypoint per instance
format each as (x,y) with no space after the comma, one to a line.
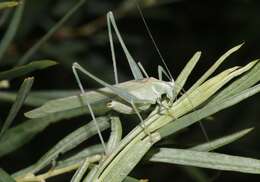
(91,174)
(22,70)
(116,134)
(210,87)
(213,68)
(5,177)
(30,100)
(18,136)
(37,98)
(121,166)
(8,4)
(201,94)
(249,79)
(80,172)
(35,47)
(77,158)
(185,73)
(206,111)
(11,31)
(21,96)
(207,160)
(212,145)
(71,141)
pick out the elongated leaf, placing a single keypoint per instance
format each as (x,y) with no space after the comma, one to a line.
(55,171)
(31,100)
(91,174)
(206,111)
(185,73)
(4,177)
(18,136)
(246,81)
(21,96)
(210,87)
(116,134)
(80,172)
(8,4)
(71,141)
(33,49)
(75,159)
(22,70)
(92,150)
(203,92)
(11,31)
(213,68)
(38,98)
(207,160)
(212,145)
(122,165)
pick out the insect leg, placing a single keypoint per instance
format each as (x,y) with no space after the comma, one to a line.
(120,107)
(143,70)
(142,121)
(118,91)
(202,127)
(74,69)
(161,71)
(112,49)
(133,66)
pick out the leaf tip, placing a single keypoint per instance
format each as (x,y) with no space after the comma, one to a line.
(240,45)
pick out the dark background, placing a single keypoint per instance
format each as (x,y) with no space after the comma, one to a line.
(180,28)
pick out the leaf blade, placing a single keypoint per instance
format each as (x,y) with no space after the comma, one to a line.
(22,70)
(207,110)
(8,4)
(185,73)
(213,68)
(70,141)
(214,144)
(207,160)
(5,177)
(21,96)
(11,30)
(35,47)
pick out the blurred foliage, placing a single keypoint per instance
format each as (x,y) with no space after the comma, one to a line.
(180,28)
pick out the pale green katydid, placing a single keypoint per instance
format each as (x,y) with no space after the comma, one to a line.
(129,97)
(134,90)
(150,90)
(136,100)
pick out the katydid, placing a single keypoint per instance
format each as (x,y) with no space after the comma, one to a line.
(142,91)
(133,101)
(140,99)
(129,97)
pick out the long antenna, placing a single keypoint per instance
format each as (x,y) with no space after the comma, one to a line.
(163,61)
(152,38)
